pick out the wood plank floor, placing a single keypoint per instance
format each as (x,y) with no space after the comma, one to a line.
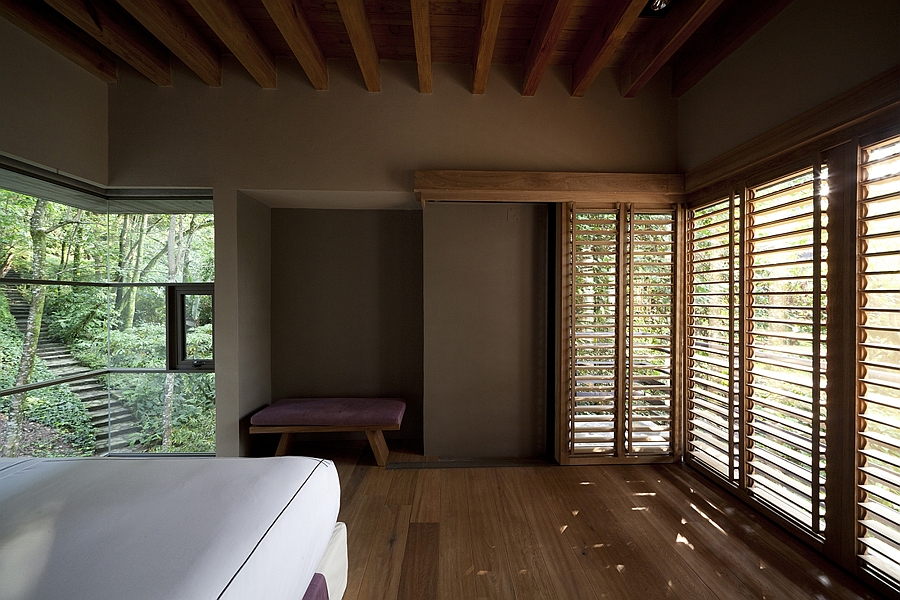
(616,532)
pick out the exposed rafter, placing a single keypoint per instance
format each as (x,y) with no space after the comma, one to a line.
(716,40)
(660,43)
(59,34)
(354,14)
(292,24)
(110,25)
(230,24)
(421,18)
(617,20)
(487,37)
(550,26)
(172,28)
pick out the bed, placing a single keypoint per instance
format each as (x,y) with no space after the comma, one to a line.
(171,529)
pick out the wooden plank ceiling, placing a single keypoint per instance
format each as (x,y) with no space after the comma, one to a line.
(689,36)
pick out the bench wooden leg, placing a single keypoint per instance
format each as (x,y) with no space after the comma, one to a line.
(379,446)
(283,444)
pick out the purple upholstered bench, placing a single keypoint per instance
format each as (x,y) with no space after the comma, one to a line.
(295,415)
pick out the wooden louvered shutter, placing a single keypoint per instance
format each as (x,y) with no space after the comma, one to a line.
(784,345)
(712,311)
(621,329)
(878,339)
(596,324)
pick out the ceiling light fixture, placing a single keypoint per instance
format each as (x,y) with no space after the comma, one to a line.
(656,8)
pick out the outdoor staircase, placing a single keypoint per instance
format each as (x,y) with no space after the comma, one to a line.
(111,420)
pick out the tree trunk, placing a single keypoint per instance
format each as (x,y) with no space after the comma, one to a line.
(130,295)
(174,251)
(168,402)
(32,329)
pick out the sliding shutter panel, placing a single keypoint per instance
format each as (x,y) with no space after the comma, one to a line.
(712,297)
(784,346)
(879,356)
(596,318)
(650,305)
(622,334)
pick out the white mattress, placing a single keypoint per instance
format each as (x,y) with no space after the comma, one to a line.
(164,528)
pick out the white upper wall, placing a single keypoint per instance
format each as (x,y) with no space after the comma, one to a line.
(813,51)
(295,138)
(52,112)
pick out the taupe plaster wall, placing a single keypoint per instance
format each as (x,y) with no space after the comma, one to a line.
(347,306)
(52,112)
(243,321)
(485,293)
(345,138)
(813,51)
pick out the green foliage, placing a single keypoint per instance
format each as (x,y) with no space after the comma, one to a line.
(193,409)
(10,346)
(56,406)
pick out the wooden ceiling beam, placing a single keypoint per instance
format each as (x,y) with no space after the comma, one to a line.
(549,28)
(616,20)
(111,26)
(487,37)
(232,27)
(175,31)
(57,33)
(353,12)
(421,18)
(715,41)
(293,25)
(658,45)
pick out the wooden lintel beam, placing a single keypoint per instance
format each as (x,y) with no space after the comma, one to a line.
(59,34)
(526,186)
(615,22)
(111,26)
(293,25)
(716,40)
(164,20)
(421,18)
(353,12)
(549,28)
(487,37)
(658,45)
(229,23)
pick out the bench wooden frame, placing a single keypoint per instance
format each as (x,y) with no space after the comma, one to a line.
(373,432)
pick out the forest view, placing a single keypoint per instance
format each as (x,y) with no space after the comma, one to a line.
(83,292)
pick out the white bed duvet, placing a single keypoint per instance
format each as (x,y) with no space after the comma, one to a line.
(164,528)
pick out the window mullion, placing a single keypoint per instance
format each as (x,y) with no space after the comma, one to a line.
(622,274)
(741,201)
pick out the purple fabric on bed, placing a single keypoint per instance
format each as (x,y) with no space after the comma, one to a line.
(332,411)
(318,589)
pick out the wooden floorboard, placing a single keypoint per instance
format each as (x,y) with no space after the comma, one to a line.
(520,533)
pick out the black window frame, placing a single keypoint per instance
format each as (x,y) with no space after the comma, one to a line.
(176,331)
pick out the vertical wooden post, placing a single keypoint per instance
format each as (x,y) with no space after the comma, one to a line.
(841,387)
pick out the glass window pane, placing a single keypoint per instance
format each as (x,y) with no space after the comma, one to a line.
(137,334)
(51,421)
(161,248)
(198,331)
(174,412)
(69,241)
(72,332)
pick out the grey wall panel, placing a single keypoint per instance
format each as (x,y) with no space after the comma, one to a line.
(485,292)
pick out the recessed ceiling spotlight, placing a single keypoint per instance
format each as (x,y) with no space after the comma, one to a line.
(656,8)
